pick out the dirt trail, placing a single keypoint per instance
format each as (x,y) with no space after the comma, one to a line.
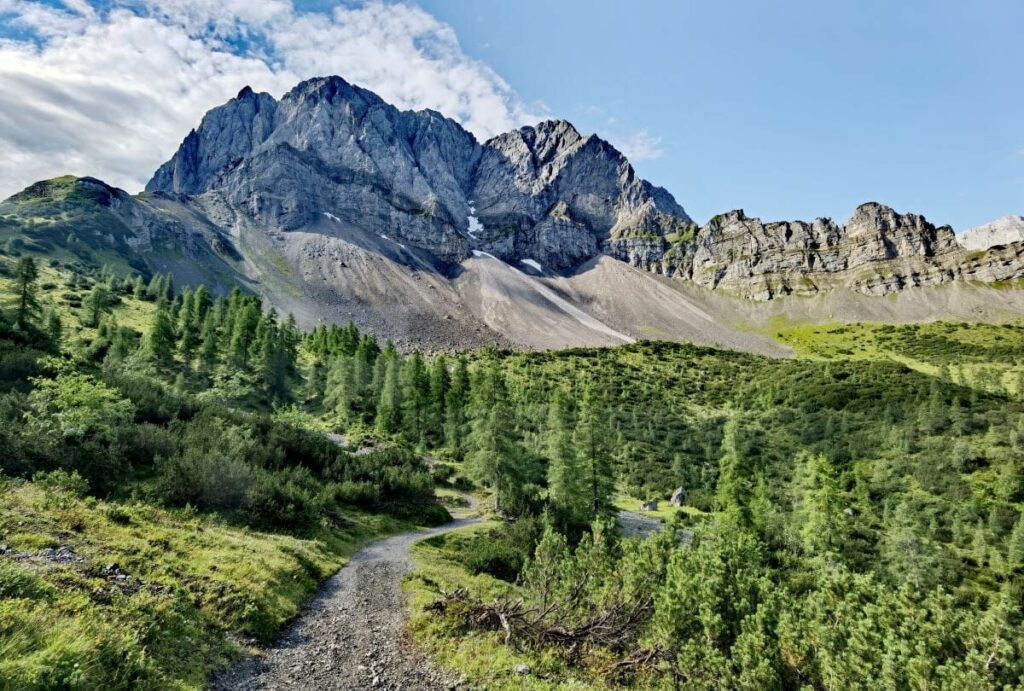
(352,634)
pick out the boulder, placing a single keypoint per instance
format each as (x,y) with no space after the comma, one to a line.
(678,497)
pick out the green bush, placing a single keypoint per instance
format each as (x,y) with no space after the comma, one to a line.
(285,499)
(62,481)
(205,481)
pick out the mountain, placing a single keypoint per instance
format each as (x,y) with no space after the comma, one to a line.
(334,205)
(1002,231)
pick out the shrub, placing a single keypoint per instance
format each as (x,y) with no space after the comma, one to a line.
(210,470)
(117,514)
(206,481)
(62,481)
(285,499)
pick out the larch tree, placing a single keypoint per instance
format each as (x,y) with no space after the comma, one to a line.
(593,448)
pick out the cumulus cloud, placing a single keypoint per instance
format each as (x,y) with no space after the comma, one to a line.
(112,92)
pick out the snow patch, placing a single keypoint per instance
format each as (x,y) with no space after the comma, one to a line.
(474,224)
(331,216)
(478,253)
(384,236)
(532,263)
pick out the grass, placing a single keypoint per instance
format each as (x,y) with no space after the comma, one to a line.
(988,357)
(130,312)
(192,584)
(483,659)
(624,502)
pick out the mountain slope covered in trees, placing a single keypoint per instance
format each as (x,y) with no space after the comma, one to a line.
(846,517)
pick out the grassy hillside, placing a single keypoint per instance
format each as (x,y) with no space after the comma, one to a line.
(117,594)
(161,504)
(989,357)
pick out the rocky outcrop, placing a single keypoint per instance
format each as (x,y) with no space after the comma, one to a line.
(1002,231)
(331,149)
(877,252)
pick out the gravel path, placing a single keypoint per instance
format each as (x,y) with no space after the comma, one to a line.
(352,634)
(636,525)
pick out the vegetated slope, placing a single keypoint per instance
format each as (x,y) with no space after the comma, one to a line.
(828,502)
(159,497)
(988,357)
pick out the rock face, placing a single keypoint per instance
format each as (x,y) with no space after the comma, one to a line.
(877,252)
(545,197)
(331,149)
(335,206)
(1002,231)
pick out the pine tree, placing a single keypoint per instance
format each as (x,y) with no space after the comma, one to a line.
(389,404)
(341,391)
(440,382)
(54,328)
(819,510)
(737,471)
(247,317)
(1015,547)
(567,492)
(316,383)
(456,401)
(415,385)
(594,449)
(26,275)
(493,455)
(209,344)
(161,338)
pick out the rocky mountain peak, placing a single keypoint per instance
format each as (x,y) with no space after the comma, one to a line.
(329,147)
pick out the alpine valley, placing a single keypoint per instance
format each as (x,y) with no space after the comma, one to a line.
(348,399)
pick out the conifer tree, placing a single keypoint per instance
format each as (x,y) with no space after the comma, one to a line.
(567,492)
(440,382)
(389,404)
(26,275)
(1015,547)
(415,385)
(819,510)
(493,456)
(161,338)
(54,328)
(594,449)
(209,344)
(456,400)
(341,391)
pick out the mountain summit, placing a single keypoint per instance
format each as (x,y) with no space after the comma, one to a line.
(331,149)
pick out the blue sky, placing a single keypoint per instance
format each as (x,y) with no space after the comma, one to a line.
(786,109)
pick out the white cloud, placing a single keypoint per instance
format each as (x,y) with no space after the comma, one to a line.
(639,145)
(111,94)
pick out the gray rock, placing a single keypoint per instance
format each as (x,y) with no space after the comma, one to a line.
(521,669)
(678,497)
(877,252)
(648,506)
(1002,231)
(332,150)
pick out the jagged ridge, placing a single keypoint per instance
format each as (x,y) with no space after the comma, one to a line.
(328,147)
